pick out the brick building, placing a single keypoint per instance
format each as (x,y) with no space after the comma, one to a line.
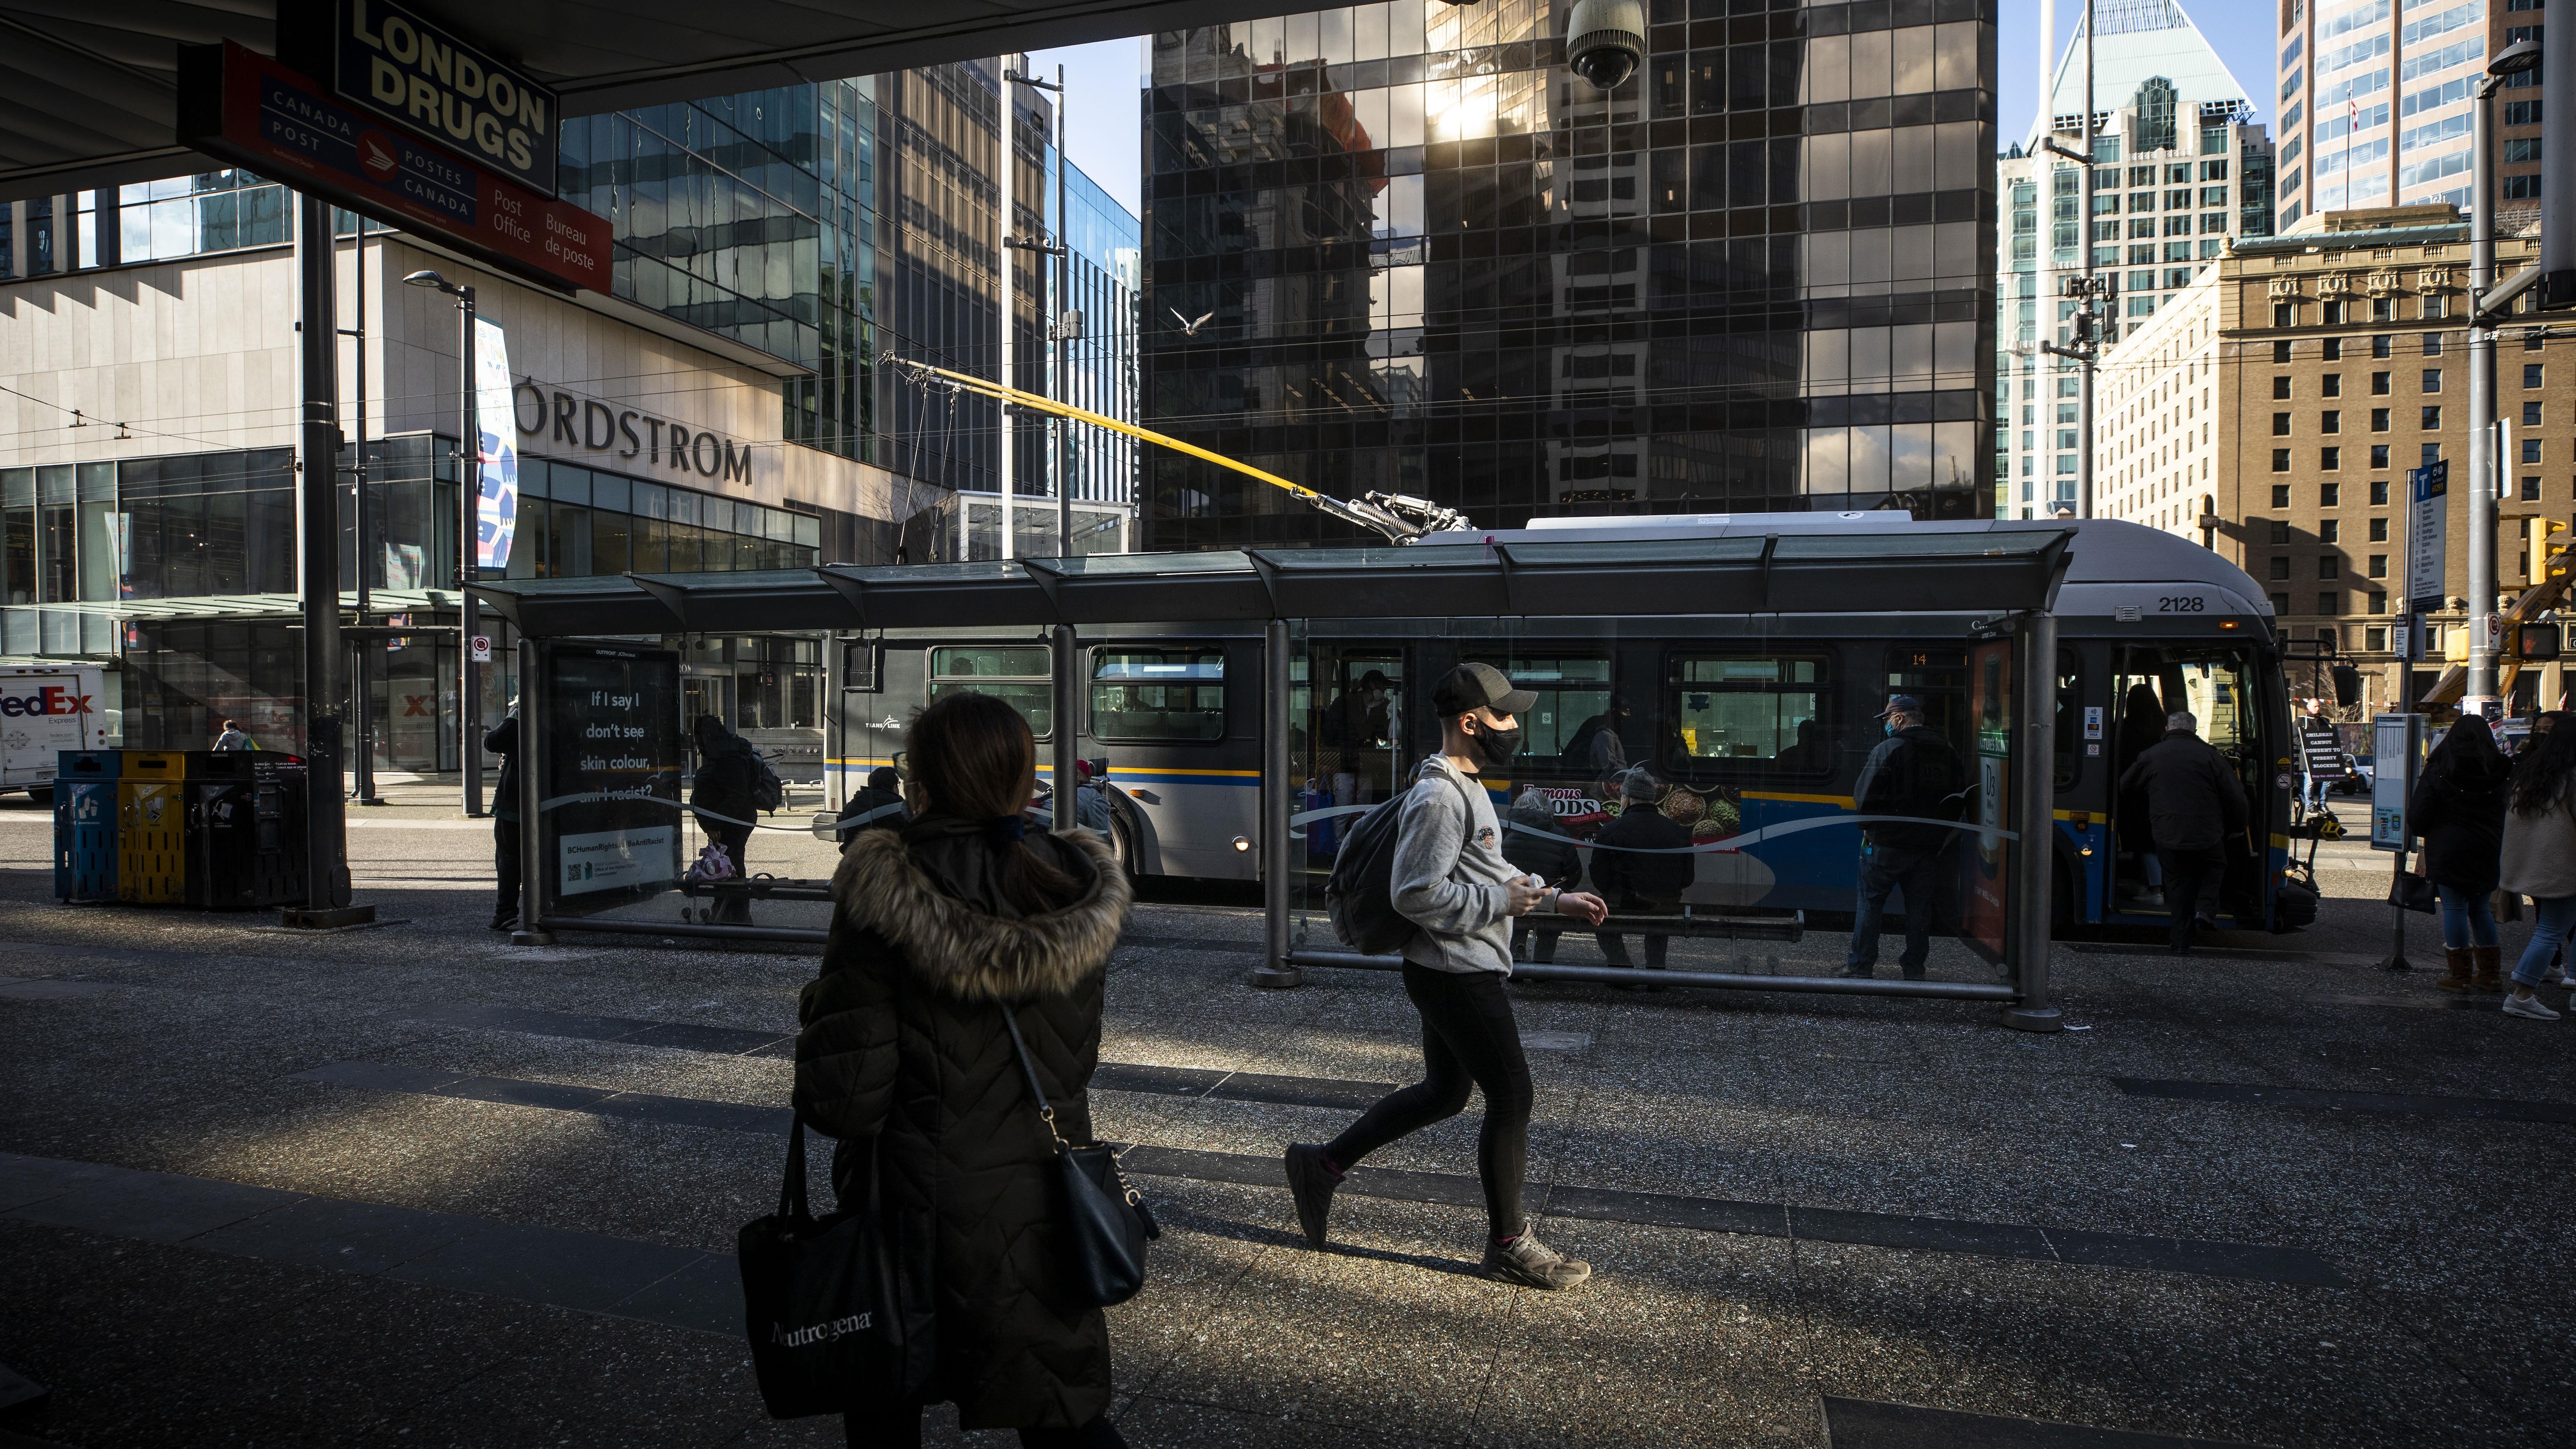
(2341,361)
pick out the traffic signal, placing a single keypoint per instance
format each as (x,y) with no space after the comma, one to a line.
(2347,686)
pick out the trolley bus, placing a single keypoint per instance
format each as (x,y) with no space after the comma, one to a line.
(1763,721)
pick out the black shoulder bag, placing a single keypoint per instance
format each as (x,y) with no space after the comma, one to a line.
(1102,1216)
(820,1301)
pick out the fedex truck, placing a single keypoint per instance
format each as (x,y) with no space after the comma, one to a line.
(44,710)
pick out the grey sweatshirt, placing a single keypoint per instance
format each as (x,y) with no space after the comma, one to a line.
(1449,873)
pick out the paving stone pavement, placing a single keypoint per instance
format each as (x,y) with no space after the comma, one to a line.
(414,1186)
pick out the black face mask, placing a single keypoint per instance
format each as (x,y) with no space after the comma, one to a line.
(1493,749)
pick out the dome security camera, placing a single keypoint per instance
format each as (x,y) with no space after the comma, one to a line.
(1605,40)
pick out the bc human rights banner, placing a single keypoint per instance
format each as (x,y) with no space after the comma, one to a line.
(497,514)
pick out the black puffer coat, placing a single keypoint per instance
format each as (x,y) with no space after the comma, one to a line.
(904,1041)
(2459,810)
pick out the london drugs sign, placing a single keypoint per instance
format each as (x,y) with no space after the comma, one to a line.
(415,74)
(242,107)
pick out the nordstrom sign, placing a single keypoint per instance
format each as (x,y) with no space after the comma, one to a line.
(552,419)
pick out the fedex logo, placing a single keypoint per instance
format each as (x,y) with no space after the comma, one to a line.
(52,699)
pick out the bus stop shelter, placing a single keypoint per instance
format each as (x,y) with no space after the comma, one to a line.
(1999,584)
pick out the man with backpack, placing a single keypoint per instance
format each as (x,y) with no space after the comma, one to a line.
(733,785)
(1912,773)
(1444,875)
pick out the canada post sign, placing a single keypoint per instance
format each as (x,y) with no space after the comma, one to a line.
(247,109)
(415,74)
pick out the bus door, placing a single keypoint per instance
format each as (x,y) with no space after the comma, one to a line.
(1348,744)
(2215,684)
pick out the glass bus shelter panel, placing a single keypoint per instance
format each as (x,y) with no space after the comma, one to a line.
(1700,774)
(2216,684)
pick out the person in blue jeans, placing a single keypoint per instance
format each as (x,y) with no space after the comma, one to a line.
(2540,858)
(2459,809)
(1912,773)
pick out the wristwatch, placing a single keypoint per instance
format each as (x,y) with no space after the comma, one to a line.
(1548,902)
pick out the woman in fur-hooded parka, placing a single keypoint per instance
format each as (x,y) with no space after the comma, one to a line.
(904,1042)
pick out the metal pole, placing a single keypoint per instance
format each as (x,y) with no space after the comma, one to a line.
(533,724)
(1010,166)
(2084,425)
(2482,459)
(1277,859)
(2034,793)
(469,501)
(1068,705)
(2044,282)
(326,842)
(361,732)
(1712,980)
(1063,343)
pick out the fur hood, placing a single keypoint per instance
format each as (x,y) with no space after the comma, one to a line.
(967,953)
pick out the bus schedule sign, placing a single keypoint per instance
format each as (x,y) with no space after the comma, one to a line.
(247,109)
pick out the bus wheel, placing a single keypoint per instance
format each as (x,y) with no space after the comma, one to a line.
(1122,839)
(43,799)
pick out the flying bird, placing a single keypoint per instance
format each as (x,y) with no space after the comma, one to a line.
(1188,327)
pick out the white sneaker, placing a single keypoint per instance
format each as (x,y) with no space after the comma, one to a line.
(2528,1006)
(2567,975)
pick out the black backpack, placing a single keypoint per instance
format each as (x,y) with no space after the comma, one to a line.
(1360,893)
(768,792)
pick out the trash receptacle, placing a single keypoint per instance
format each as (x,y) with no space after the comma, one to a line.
(151,828)
(85,824)
(244,830)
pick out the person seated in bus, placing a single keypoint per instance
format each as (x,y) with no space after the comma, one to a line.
(1534,841)
(1914,776)
(1641,864)
(2196,810)
(877,805)
(1358,718)
(1598,746)
(1813,754)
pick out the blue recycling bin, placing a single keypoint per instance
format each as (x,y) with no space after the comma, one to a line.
(85,824)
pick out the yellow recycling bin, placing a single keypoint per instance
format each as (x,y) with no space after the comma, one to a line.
(152,813)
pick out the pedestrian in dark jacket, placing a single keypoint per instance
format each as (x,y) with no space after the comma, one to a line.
(877,805)
(503,740)
(2459,811)
(941,933)
(2142,726)
(2196,809)
(1534,841)
(726,797)
(1640,865)
(1914,776)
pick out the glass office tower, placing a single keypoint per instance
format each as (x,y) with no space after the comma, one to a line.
(1399,246)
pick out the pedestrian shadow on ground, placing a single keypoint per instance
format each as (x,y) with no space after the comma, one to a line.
(1177,1215)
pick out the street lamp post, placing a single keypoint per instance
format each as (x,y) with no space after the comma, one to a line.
(469,495)
(2484,465)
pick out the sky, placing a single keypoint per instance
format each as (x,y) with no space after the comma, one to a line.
(1104,79)
(1102,117)
(2239,30)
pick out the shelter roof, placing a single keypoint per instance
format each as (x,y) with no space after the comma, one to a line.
(2001,569)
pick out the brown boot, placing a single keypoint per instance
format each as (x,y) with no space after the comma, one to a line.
(2455,970)
(2485,958)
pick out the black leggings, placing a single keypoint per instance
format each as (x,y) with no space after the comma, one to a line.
(898,1426)
(1468,1036)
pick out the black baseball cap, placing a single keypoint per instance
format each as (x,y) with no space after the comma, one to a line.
(1900,704)
(1478,686)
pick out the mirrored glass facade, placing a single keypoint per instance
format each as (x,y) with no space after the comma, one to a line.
(1401,247)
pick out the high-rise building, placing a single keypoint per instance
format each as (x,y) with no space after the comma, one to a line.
(2375,102)
(2182,168)
(1400,246)
(828,224)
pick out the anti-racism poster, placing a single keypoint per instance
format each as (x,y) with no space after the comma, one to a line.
(609,778)
(497,514)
